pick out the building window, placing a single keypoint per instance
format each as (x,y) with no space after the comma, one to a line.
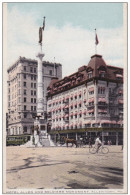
(50,72)
(35,77)
(19,84)
(24,99)
(24,68)
(24,84)
(35,70)
(31,77)
(31,69)
(34,85)
(25,115)
(90,75)
(34,92)
(25,107)
(31,100)
(25,128)
(31,108)
(31,92)
(24,91)
(19,100)
(34,100)
(24,76)
(35,108)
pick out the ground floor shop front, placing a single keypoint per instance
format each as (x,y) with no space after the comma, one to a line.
(112,135)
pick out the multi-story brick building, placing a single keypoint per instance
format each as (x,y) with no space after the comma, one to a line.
(22,92)
(87,102)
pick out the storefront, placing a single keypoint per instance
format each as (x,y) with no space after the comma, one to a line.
(115,136)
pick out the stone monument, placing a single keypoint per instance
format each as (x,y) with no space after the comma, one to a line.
(40,133)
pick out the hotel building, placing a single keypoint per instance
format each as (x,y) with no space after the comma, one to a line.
(88,102)
(22,93)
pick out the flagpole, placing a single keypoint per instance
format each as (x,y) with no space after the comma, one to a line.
(95,43)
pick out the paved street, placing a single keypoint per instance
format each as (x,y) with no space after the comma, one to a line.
(61,167)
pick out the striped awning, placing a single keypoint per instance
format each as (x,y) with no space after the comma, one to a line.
(119,75)
(120,91)
(120,101)
(91,111)
(101,110)
(91,89)
(87,122)
(91,100)
(101,99)
(120,122)
(105,122)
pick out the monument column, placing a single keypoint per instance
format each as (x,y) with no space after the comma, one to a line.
(40,107)
(40,130)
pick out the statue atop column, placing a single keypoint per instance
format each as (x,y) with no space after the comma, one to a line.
(40,31)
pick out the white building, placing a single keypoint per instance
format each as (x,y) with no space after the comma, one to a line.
(22,93)
(87,102)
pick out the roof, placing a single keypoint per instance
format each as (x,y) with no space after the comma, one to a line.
(97,66)
(32,61)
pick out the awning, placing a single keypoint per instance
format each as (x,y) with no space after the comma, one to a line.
(80,112)
(71,114)
(75,94)
(105,122)
(85,111)
(120,101)
(87,122)
(120,91)
(113,122)
(85,100)
(66,115)
(67,97)
(101,99)
(67,106)
(91,100)
(80,102)
(101,110)
(120,122)
(91,89)
(119,75)
(79,92)
(90,111)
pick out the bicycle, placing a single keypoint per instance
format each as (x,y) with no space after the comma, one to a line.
(102,148)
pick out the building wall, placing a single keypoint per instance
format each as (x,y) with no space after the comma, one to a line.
(94,112)
(22,93)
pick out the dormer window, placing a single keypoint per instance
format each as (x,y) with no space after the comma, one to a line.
(119,76)
(102,73)
(90,74)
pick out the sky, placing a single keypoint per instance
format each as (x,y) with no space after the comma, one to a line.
(69,35)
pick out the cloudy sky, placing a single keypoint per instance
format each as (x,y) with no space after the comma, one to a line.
(69,33)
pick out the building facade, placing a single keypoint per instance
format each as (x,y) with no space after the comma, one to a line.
(88,102)
(22,93)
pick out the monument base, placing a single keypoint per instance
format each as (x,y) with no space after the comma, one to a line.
(41,136)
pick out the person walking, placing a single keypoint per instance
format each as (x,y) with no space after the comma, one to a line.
(90,142)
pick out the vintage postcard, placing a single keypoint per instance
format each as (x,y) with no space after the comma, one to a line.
(65,98)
